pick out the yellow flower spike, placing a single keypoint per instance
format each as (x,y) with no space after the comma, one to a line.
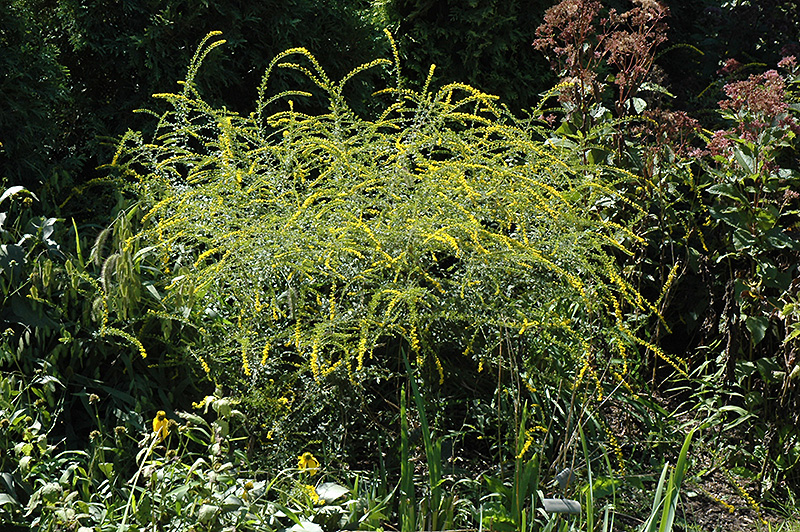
(160,425)
(307,461)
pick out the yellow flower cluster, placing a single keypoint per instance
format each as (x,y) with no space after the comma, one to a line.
(311,493)
(751,502)
(247,487)
(529,439)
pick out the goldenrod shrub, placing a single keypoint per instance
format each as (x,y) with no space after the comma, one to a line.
(299,243)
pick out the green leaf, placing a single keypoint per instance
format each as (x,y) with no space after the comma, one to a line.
(655,87)
(151,289)
(180,492)
(605,486)
(12,257)
(232,503)
(24,313)
(732,216)
(743,240)
(639,105)
(636,481)
(757,325)
(107,468)
(777,239)
(769,368)
(45,379)
(597,156)
(567,129)
(599,111)
(330,491)
(207,512)
(747,162)
(7,499)
(674,486)
(727,190)
(305,526)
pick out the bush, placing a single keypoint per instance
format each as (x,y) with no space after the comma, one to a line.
(311,249)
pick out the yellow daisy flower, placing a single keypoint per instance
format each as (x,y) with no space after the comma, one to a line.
(307,461)
(160,425)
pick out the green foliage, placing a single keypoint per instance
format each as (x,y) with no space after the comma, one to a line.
(198,475)
(721,209)
(754,202)
(33,91)
(297,254)
(753,33)
(118,55)
(666,502)
(510,503)
(72,319)
(741,248)
(76,71)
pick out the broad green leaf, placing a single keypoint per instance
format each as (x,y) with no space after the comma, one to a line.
(107,468)
(24,313)
(44,379)
(729,215)
(757,325)
(597,156)
(180,492)
(599,111)
(207,512)
(777,239)
(330,491)
(7,499)
(729,190)
(232,503)
(305,526)
(639,105)
(655,87)
(605,486)
(743,240)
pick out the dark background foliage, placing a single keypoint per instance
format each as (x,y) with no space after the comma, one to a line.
(74,71)
(484,43)
(750,32)
(34,90)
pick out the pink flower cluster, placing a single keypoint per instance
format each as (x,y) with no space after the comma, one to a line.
(764,94)
(579,44)
(788,63)
(757,104)
(731,66)
(720,142)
